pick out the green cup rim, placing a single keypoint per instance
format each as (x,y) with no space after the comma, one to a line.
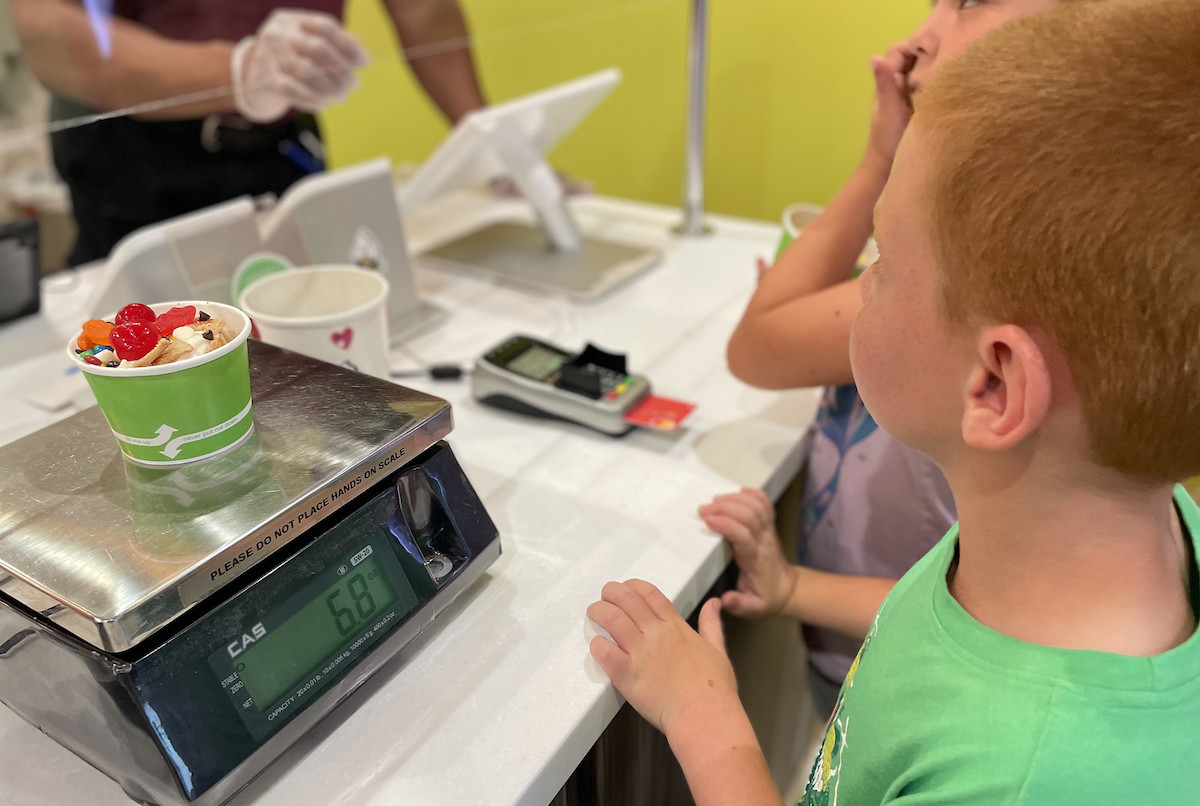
(806,207)
(177,366)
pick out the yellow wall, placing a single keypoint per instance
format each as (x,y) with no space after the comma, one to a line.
(788,104)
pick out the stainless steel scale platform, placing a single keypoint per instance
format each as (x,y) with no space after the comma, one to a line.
(180,628)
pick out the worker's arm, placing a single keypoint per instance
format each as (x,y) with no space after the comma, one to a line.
(435,39)
(60,47)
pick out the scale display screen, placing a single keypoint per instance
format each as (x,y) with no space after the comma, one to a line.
(288,654)
(537,362)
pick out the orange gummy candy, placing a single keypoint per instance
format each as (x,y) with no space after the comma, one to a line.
(97,330)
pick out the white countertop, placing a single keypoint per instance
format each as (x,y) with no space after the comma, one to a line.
(499,701)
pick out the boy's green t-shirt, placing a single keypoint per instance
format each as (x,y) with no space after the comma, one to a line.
(939,709)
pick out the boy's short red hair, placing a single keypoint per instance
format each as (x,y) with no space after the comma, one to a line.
(1066,198)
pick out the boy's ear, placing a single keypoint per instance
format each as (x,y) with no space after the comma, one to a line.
(1007,395)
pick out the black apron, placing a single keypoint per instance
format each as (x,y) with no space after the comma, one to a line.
(125,173)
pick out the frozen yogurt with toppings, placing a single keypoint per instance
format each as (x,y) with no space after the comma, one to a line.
(138,337)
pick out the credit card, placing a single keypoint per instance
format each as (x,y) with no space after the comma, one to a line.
(661,413)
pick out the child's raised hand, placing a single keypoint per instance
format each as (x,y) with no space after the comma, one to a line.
(893,102)
(659,663)
(765,578)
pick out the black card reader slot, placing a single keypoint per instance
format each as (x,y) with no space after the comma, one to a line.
(591,372)
(584,381)
(593,356)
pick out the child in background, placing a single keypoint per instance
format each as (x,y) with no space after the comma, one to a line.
(871,506)
(1032,326)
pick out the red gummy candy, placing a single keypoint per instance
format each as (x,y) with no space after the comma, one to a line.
(133,340)
(134,312)
(176,317)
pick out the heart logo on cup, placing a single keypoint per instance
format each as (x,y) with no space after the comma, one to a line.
(343,339)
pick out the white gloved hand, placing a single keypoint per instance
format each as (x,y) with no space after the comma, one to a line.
(297,59)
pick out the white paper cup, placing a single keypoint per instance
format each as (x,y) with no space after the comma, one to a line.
(334,313)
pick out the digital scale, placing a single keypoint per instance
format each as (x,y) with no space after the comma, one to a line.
(532,377)
(180,628)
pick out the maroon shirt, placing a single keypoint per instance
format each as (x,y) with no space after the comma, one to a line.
(202,20)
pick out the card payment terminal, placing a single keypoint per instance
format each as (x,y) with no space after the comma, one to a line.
(532,377)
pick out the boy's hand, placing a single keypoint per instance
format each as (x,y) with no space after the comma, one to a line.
(893,104)
(661,666)
(765,578)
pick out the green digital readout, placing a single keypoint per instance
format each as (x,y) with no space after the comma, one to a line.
(537,363)
(291,652)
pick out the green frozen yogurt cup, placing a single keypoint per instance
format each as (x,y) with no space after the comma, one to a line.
(185,411)
(795,218)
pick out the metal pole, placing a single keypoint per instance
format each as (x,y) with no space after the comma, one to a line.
(693,183)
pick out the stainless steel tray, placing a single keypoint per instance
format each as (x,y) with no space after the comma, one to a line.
(112,552)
